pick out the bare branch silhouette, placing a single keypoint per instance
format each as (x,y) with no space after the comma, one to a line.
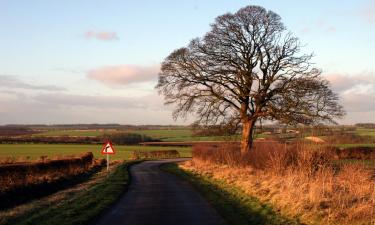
(248,67)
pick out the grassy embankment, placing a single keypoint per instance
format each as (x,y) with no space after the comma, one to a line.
(233,204)
(20,183)
(299,180)
(35,151)
(82,207)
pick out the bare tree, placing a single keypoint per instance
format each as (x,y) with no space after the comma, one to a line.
(248,67)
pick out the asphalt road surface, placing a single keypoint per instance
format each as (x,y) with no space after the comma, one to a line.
(155,197)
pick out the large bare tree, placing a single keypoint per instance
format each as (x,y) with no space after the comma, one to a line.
(247,67)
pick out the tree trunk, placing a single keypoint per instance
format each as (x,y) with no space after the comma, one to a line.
(247,135)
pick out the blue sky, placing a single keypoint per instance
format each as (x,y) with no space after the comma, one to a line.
(97,61)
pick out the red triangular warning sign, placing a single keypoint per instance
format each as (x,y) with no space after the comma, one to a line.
(108,148)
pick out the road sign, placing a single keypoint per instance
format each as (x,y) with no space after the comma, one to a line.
(108,149)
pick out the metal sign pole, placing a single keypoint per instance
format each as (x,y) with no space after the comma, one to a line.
(107,162)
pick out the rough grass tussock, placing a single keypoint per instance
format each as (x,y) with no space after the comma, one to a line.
(299,179)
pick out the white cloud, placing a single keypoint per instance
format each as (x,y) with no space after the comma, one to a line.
(73,108)
(101,35)
(12,82)
(99,101)
(357,95)
(343,82)
(124,74)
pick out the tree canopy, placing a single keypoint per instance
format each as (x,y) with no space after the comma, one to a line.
(247,67)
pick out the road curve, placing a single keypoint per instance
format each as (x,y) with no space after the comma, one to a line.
(158,198)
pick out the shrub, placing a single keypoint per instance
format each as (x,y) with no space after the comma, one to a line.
(23,174)
(347,138)
(126,138)
(271,156)
(361,153)
(163,154)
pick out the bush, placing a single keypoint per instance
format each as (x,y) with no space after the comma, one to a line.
(51,140)
(346,138)
(163,154)
(23,174)
(21,182)
(275,157)
(126,138)
(361,153)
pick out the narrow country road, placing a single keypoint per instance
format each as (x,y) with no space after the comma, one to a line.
(158,198)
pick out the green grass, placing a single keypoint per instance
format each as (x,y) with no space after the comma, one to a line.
(177,135)
(356,145)
(233,204)
(162,134)
(165,135)
(34,151)
(365,132)
(79,133)
(82,207)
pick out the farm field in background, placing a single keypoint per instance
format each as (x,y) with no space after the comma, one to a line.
(35,151)
(165,134)
(365,132)
(160,134)
(79,133)
(356,145)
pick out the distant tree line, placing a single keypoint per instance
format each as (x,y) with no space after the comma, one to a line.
(115,138)
(127,138)
(366,125)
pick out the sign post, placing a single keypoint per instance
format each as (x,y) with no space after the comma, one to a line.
(108,150)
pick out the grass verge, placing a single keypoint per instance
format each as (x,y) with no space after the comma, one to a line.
(236,207)
(85,206)
(23,194)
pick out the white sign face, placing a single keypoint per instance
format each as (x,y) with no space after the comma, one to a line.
(108,149)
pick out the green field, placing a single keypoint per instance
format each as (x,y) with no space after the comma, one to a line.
(163,135)
(34,151)
(365,132)
(356,145)
(79,133)
(177,135)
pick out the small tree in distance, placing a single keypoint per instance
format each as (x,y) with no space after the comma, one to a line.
(247,67)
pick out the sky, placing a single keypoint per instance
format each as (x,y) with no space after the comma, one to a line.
(93,61)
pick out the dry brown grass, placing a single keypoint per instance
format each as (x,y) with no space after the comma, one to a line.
(15,174)
(55,198)
(299,179)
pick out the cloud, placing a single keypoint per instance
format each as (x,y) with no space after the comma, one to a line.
(11,82)
(79,108)
(326,27)
(344,83)
(305,30)
(368,12)
(101,35)
(320,25)
(100,101)
(357,93)
(124,74)
(359,102)
(331,29)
